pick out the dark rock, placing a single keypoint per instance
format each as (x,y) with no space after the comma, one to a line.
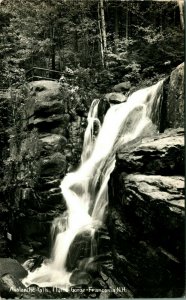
(33,263)
(102,241)
(48,183)
(146,227)
(116,288)
(53,142)
(54,164)
(11,287)
(46,124)
(80,278)
(12,266)
(99,283)
(47,108)
(79,249)
(103,106)
(175,98)
(52,197)
(89,265)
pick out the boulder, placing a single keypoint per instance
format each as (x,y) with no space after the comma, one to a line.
(44,90)
(52,143)
(52,121)
(80,248)
(161,154)
(11,287)
(41,92)
(53,165)
(13,267)
(122,87)
(46,183)
(115,98)
(103,106)
(47,108)
(80,278)
(175,98)
(156,188)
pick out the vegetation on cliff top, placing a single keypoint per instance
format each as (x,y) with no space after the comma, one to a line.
(111,41)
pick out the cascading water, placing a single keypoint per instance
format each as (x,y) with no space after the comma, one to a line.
(85,190)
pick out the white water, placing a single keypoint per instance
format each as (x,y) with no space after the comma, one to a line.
(85,190)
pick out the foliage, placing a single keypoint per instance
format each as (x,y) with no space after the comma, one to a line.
(20,167)
(55,34)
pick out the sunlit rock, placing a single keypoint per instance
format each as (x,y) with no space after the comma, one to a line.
(175,98)
(115,98)
(122,87)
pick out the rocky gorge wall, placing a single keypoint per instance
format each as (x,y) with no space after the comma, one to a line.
(50,144)
(145,215)
(146,208)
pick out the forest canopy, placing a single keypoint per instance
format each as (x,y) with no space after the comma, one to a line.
(109,40)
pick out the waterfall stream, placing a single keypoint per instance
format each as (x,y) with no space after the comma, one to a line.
(85,190)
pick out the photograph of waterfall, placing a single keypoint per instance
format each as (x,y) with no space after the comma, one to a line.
(92,158)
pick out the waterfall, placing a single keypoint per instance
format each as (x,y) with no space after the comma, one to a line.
(85,190)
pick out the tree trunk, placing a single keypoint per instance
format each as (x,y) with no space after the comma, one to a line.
(103,26)
(127,24)
(101,37)
(181,5)
(53,57)
(116,23)
(53,50)
(116,28)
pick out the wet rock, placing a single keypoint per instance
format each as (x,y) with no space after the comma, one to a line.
(115,98)
(12,266)
(80,278)
(161,154)
(79,249)
(103,106)
(89,265)
(52,197)
(34,262)
(54,164)
(48,183)
(122,87)
(102,241)
(175,98)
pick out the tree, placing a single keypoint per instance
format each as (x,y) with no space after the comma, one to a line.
(102,28)
(181,6)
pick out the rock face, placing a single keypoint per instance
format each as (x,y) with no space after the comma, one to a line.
(175,103)
(146,213)
(155,155)
(146,220)
(50,144)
